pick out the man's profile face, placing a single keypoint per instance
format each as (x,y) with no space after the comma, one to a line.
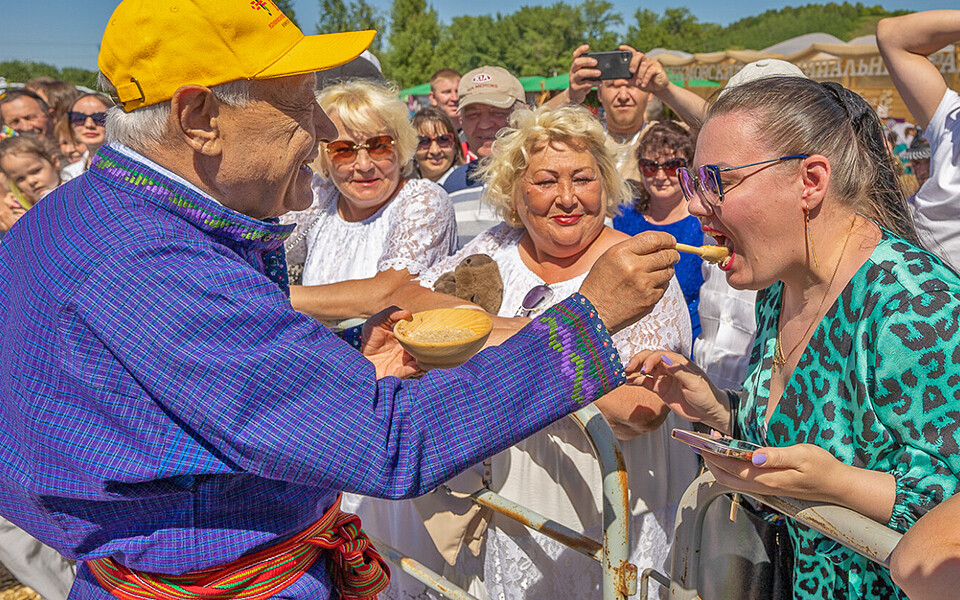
(268,145)
(25,115)
(623,105)
(444,95)
(481,122)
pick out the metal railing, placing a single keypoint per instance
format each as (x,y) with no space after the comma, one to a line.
(619,576)
(847,527)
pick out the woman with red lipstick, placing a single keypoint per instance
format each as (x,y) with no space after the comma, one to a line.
(88,117)
(664,148)
(852,385)
(372,224)
(554,182)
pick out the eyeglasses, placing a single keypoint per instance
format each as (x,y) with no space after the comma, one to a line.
(707,184)
(78,118)
(343,152)
(536,298)
(649,168)
(444,141)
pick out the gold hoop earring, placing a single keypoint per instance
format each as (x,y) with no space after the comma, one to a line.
(806,227)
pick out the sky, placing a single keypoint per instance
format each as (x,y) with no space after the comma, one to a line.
(66,33)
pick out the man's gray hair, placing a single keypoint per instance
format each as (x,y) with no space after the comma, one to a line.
(146,127)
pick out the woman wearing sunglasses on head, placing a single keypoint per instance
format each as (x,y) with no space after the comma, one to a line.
(371,225)
(852,385)
(554,182)
(88,117)
(438,147)
(664,148)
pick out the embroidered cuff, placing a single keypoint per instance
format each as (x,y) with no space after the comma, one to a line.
(588,355)
(352,336)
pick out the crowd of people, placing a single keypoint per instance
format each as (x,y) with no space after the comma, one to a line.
(200,271)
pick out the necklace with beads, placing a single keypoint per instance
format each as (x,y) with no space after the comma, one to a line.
(779,358)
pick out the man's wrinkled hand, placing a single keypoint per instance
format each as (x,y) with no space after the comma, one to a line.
(630,278)
(380,346)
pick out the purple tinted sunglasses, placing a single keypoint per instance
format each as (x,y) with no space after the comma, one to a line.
(535,298)
(706,183)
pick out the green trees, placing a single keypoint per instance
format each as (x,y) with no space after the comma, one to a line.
(414,36)
(286,6)
(845,21)
(23,71)
(337,15)
(538,40)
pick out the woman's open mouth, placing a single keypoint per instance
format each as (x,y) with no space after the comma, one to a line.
(722,240)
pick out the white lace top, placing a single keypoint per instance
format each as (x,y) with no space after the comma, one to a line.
(663,328)
(412,231)
(554,472)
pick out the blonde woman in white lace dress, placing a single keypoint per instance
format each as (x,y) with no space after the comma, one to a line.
(554,182)
(370,227)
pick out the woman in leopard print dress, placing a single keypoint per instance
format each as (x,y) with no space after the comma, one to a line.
(853,384)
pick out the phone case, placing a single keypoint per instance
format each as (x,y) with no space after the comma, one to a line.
(613,65)
(721,447)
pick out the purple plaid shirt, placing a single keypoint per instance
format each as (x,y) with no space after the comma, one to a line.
(162,402)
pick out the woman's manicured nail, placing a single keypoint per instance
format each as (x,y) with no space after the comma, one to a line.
(759,459)
(667,360)
(643,369)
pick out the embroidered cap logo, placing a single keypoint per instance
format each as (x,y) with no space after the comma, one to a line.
(481,77)
(258,4)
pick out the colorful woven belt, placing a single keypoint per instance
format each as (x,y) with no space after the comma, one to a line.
(358,569)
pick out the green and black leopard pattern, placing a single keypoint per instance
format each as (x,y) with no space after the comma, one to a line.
(879,387)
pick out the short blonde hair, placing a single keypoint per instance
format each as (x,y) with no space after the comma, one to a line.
(371,107)
(528,133)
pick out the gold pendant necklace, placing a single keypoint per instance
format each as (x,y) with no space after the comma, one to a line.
(779,358)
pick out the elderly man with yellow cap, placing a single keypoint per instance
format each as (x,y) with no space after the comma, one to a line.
(166,417)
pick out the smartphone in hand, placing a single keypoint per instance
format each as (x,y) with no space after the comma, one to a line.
(612,65)
(721,447)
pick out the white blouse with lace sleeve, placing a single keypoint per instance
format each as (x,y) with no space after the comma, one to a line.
(414,230)
(667,327)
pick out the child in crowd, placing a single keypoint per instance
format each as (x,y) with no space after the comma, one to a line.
(73,153)
(31,164)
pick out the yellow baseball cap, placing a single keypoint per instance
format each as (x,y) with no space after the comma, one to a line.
(151,48)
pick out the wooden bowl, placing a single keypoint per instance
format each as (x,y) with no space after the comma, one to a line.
(444,337)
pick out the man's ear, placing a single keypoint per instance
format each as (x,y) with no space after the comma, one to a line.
(196,119)
(815,175)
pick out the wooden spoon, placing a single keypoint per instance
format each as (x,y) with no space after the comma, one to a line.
(711,254)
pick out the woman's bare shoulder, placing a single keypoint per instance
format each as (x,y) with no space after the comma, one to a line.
(610,237)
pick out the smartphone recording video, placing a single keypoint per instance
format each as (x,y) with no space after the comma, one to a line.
(612,65)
